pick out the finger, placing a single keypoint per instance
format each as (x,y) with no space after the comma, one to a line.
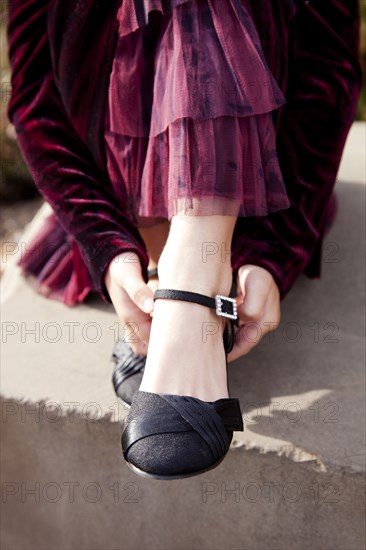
(128,274)
(132,318)
(153,284)
(246,338)
(250,334)
(140,348)
(133,339)
(255,294)
(137,331)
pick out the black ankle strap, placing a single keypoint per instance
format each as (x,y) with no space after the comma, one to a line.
(223,305)
(185,296)
(152,273)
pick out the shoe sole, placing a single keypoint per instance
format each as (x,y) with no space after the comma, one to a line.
(142,473)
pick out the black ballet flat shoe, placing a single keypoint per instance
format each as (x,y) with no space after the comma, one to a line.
(129,366)
(178,436)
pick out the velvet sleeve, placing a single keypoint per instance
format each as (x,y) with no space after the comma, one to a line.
(323,90)
(58,160)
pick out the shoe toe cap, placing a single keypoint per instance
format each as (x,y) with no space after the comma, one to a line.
(170,454)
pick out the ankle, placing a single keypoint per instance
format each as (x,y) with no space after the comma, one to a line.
(185,272)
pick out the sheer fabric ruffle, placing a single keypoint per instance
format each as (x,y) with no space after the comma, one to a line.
(54,266)
(189,115)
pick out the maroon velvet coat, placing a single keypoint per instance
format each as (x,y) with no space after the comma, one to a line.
(61,54)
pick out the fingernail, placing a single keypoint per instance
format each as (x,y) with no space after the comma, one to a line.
(148,305)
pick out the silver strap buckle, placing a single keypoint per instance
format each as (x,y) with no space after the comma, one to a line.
(226,307)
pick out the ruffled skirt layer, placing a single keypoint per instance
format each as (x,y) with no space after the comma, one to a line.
(54,266)
(189,116)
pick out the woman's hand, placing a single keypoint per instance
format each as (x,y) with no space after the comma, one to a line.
(132,299)
(259,310)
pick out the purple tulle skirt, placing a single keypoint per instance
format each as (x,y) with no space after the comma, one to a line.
(54,266)
(188,122)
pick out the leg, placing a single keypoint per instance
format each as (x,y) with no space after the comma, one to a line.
(185,353)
